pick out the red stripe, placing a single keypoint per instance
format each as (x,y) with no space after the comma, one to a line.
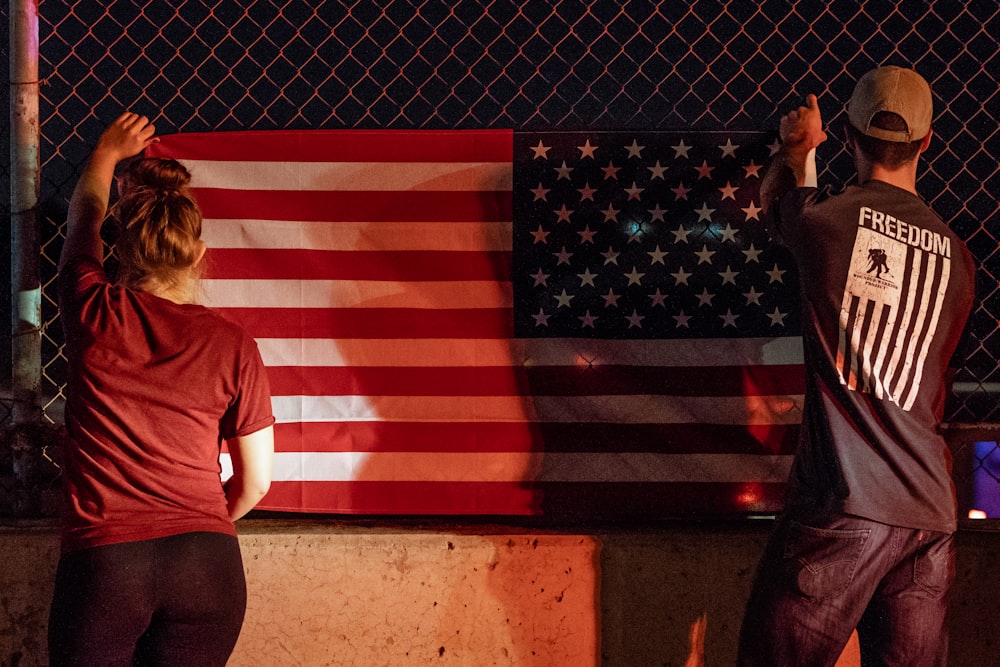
(329,206)
(340,146)
(536,380)
(650,500)
(372,322)
(401,265)
(534,437)
(556,501)
(401,498)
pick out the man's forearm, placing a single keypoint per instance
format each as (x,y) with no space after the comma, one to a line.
(783,174)
(801,132)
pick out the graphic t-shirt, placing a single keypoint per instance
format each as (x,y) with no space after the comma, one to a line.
(154,388)
(887,289)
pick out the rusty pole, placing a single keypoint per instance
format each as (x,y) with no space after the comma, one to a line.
(26,306)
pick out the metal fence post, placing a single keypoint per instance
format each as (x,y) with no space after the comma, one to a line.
(26,311)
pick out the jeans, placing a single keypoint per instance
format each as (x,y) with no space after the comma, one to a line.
(819,580)
(175,600)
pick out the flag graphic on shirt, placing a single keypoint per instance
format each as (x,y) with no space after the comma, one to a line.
(496,322)
(892,301)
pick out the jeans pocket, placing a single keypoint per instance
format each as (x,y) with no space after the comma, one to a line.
(934,565)
(822,561)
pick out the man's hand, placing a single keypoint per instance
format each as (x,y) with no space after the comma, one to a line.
(128,135)
(802,129)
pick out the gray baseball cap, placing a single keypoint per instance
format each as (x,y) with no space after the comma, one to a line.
(895,89)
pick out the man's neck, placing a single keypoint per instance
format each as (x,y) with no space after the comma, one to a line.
(904,177)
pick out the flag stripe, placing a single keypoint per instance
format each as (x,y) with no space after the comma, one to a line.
(354,206)
(531,437)
(630,409)
(406,351)
(555,500)
(372,322)
(534,380)
(402,265)
(599,467)
(222,234)
(333,295)
(355,146)
(354,176)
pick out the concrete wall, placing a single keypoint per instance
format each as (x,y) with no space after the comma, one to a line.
(364,593)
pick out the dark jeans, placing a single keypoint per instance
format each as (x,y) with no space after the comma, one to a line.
(175,600)
(817,582)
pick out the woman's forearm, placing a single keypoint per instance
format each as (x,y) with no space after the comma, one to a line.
(253,463)
(128,135)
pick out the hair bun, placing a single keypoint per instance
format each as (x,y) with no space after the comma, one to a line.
(163,174)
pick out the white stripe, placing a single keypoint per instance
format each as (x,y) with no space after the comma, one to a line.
(627,467)
(351,176)
(379,236)
(324,352)
(630,409)
(355,294)
(878,372)
(842,349)
(873,313)
(936,303)
(902,343)
(855,344)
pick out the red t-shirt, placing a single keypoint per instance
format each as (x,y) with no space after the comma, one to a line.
(154,389)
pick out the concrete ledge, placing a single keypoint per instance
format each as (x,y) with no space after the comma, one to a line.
(346,592)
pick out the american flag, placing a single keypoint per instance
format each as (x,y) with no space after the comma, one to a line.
(583,324)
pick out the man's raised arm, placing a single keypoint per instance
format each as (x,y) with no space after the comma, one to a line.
(801,131)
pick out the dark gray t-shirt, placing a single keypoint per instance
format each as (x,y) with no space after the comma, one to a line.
(887,288)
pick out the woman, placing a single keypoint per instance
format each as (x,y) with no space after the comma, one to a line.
(150,571)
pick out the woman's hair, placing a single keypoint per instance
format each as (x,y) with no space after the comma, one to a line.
(159,224)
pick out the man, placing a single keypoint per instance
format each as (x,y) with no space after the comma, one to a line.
(866,536)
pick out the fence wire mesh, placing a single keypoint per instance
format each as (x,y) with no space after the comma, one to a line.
(220,65)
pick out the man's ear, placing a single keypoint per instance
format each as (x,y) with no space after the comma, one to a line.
(925,143)
(849,135)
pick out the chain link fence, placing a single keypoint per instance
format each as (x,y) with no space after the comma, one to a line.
(220,65)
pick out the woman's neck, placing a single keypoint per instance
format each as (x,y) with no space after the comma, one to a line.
(184,291)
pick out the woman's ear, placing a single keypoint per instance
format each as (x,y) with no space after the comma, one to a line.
(200,252)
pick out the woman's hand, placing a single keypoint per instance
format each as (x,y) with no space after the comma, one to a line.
(128,135)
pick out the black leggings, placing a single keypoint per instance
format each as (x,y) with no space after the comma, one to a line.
(175,600)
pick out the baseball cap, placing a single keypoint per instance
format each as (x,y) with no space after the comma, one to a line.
(897,90)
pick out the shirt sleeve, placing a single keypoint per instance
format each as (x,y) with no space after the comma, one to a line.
(78,282)
(251,411)
(791,213)
(77,276)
